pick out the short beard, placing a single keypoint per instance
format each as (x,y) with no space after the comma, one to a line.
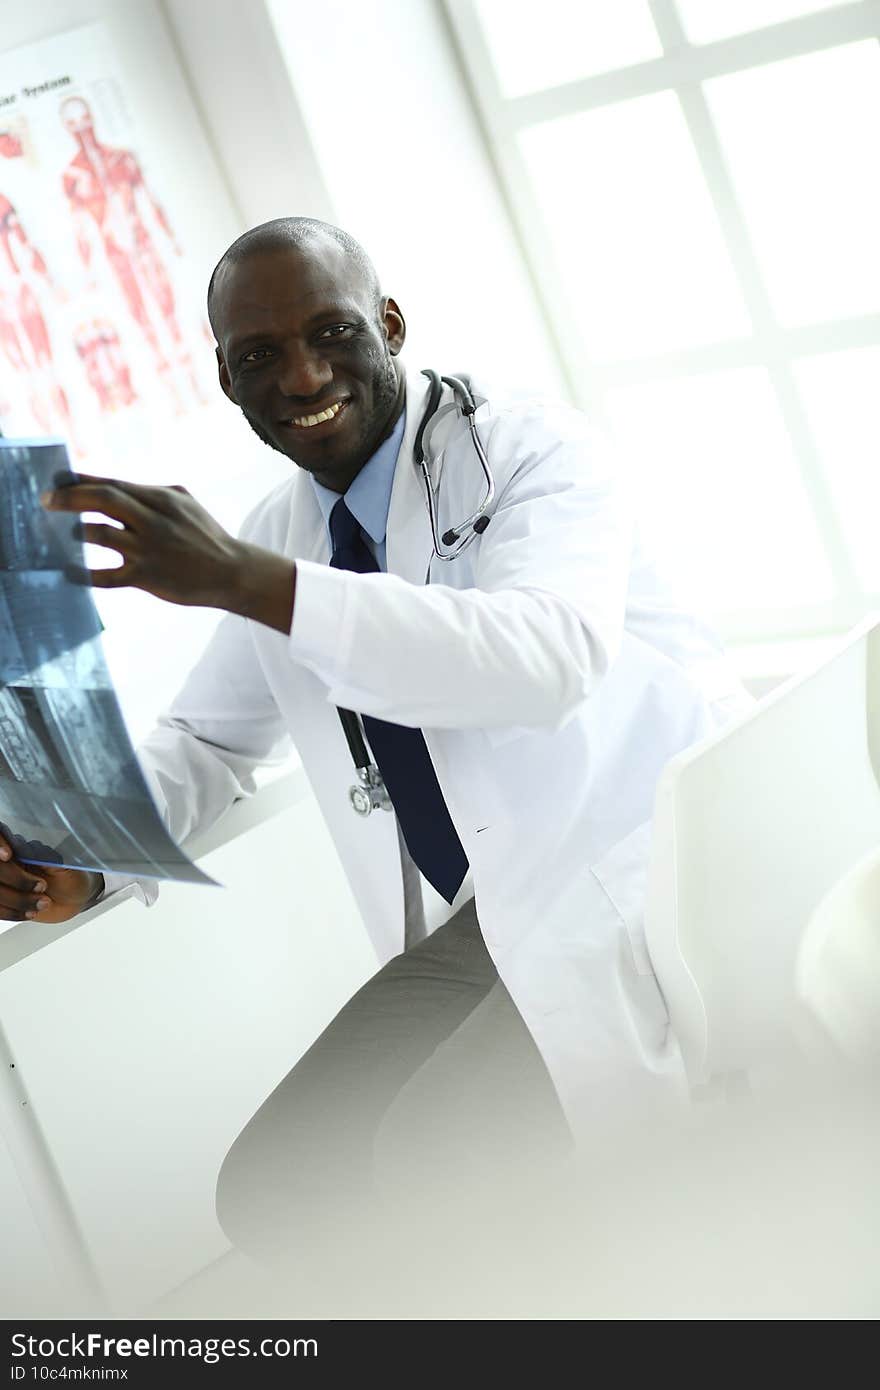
(386,384)
(385,390)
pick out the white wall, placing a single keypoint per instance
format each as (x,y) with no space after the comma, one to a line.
(251,115)
(407,170)
(355,111)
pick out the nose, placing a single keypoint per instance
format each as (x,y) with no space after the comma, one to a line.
(304,374)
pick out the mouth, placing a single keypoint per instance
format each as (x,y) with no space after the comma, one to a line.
(319,422)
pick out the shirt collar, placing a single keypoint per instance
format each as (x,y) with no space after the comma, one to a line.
(369,496)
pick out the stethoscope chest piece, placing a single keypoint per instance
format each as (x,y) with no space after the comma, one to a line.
(369,793)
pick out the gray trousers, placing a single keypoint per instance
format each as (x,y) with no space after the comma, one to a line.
(428,1077)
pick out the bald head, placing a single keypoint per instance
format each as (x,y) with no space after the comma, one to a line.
(302,234)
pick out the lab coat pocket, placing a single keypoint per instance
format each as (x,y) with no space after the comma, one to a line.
(622,873)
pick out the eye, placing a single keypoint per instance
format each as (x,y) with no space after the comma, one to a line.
(255,355)
(336,330)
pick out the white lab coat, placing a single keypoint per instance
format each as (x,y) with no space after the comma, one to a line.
(552,675)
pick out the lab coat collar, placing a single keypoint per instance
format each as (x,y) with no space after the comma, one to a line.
(308,530)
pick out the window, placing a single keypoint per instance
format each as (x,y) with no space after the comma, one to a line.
(695,186)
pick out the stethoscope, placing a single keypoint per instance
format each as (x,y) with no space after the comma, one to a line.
(369,792)
(456,539)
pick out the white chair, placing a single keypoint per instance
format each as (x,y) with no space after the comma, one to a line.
(837,974)
(752,829)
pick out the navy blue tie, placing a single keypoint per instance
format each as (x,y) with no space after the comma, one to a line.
(401,754)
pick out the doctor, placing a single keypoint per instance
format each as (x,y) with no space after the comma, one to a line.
(519,701)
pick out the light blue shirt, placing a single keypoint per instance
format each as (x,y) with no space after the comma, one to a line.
(369,496)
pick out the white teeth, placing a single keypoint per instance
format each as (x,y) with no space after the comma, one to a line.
(306,421)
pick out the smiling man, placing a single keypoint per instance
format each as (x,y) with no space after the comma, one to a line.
(519,701)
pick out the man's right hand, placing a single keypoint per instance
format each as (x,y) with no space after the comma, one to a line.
(41,892)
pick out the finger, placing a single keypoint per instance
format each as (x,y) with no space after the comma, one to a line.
(159,499)
(15,877)
(111,501)
(120,577)
(110,537)
(116,577)
(10,901)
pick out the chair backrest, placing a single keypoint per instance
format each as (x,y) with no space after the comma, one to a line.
(751,830)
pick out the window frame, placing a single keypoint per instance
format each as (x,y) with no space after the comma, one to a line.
(683,68)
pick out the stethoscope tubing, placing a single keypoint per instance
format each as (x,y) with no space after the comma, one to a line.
(453,541)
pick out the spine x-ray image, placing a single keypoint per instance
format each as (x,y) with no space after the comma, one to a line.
(71,789)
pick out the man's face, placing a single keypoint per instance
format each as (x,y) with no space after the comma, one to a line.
(300,336)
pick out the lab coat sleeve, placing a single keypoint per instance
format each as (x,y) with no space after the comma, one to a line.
(534,635)
(222,724)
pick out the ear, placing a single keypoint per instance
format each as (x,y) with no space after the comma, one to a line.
(395,327)
(225,381)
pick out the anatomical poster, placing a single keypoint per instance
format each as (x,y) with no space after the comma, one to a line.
(100,326)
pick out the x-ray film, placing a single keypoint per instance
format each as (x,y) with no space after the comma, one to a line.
(71,789)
